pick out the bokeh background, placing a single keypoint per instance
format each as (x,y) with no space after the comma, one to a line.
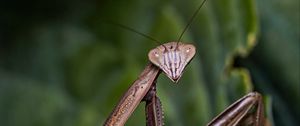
(62,64)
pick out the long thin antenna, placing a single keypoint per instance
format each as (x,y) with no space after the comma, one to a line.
(190,21)
(138,32)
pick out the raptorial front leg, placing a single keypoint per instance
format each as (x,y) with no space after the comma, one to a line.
(247,111)
(257,117)
(132,97)
(153,108)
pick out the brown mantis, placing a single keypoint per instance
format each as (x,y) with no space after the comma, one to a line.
(172,58)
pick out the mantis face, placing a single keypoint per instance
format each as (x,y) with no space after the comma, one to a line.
(172,58)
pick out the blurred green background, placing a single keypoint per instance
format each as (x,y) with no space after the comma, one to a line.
(62,65)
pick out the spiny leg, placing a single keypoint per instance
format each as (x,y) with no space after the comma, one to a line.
(153,108)
(239,113)
(257,118)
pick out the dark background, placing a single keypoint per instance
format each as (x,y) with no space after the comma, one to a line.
(63,64)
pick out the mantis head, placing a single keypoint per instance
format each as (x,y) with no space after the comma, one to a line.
(172,58)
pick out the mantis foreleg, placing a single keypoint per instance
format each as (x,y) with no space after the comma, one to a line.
(133,97)
(239,113)
(154,112)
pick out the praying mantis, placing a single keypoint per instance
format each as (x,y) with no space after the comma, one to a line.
(172,58)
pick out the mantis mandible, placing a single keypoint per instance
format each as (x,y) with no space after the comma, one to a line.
(172,58)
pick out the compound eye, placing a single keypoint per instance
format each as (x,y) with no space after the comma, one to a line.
(156,54)
(188,49)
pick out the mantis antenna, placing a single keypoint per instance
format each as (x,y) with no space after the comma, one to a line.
(138,32)
(190,22)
